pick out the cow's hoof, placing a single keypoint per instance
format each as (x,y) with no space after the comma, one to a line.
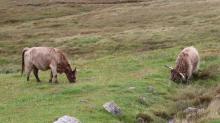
(56,82)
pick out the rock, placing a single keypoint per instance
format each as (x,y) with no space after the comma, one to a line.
(131,88)
(151,89)
(190,110)
(143,118)
(112,108)
(171,121)
(142,100)
(83,101)
(140,120)
(67,119)
(193,113)
(214,107)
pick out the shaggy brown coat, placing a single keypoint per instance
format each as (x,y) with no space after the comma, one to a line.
(187,63)
(44,58)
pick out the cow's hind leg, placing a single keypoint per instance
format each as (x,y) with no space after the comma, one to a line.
(28,68)
(35,70)
(54,78)
(28,73)
(51,76)
(54,73)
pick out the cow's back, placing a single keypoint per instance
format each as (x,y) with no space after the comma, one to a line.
(41,57)
(192,55)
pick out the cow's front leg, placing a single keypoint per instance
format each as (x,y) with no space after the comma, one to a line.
(54,73)
(54,78)
(51,76)
(36,74)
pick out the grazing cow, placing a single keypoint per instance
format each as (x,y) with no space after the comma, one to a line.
(186,64)
(44,58)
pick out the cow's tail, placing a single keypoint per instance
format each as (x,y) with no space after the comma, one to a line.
(23,64)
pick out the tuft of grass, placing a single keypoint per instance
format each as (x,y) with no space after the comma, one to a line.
(210,72)
(143,117)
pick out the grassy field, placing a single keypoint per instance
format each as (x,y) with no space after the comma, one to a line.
(115,46)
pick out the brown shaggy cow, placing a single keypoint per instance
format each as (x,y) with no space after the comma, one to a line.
(44,58)
(187,63)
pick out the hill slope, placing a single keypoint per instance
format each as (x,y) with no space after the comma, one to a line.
(114,46)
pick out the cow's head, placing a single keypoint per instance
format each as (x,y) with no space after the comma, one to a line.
(176,76)
(71,75)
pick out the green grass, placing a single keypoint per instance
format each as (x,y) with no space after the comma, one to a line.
(215,121)
(114,47)
(99,81)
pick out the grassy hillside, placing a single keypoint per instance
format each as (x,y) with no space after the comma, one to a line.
(115,46)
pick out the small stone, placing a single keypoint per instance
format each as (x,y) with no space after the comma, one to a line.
(112,108)
(131,88)
(151,89)
(190,110)
(83,101)
(143,118)
(201,111)
(193,113)
(67,119)
(142,100)
(140,120)
(171,121)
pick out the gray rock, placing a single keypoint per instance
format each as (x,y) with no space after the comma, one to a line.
(67,119)
(151,89)
(83,101)
(190,110)
(143,118)
(112,108)
(140,120)
(131,88)
(193,113)
(171,121)
(142,100)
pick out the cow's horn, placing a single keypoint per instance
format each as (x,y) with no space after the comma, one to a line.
(183,77)
(168,67)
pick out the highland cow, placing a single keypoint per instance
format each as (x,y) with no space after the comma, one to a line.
(187,63)
(44,58)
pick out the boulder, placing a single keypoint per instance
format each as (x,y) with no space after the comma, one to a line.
(193,113)
(112,108)
(67,119)
(190,110)
(151,89)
